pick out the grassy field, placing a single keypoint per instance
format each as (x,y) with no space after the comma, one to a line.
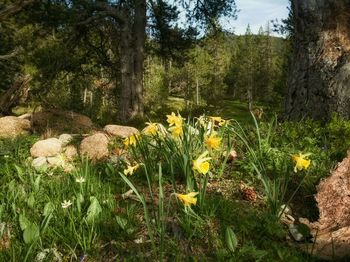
(90,214)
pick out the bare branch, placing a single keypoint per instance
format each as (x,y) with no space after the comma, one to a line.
(15,8)
(14,53)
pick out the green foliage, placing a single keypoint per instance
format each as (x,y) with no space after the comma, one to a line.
(221,226)
(338,140)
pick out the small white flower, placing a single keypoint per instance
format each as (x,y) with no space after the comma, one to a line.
(138,241)
(66,204)
(193,131)
(80,180)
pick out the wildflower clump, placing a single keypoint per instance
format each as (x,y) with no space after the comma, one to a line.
(201,164)
(176,124)
(131,169)
(213,142)
(131,140)
(151,129)
(301,162)
(188,199)
(217,120)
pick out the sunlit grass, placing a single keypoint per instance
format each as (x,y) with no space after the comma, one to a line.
(184,207)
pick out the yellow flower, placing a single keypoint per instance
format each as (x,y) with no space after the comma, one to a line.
(131,140)
(213,142)
(188,199)
(174,119)
(217,120)
(176,131)
(201,164)
(301,162)
(131,169)
(151,129)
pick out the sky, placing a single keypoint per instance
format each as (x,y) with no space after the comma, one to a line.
(257,13)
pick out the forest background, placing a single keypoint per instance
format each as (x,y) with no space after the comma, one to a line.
(73,52)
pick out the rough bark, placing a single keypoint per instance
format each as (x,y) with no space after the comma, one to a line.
(15,95)
(319,78)
(140,38)
(126,60)
(133,37)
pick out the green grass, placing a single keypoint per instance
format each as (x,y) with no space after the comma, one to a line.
(101,225)
(227,109)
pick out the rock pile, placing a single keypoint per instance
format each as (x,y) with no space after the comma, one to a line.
(53,152)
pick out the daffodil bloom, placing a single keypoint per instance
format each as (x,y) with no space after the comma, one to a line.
(202,120)
(217,120)
(131,169)
(66,204)
(151,129)
(131,140)
(80,180)
(201,164)
(188,199)
(176,131)
(301,162)
(213,142)
(174,120)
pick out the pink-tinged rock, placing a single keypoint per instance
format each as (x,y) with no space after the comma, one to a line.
(95,146)
(46,148)
(11,127)
(120,131)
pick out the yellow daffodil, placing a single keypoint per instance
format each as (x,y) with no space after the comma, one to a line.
(188,199)
(131,169)
(151,129)
(217,120)
(201,164)
(131,140)
(301,162)
(174,119)
(176,131)
(213,142)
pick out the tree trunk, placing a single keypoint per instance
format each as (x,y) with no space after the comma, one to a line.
(15,95)
(139,32)
(126,70)
(132,54)
(319,78)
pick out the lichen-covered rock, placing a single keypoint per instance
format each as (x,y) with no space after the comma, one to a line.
(65,139)
(46,148)
(11,127)
(70,152)
(40,163)
(120,131)
(95,146)
(61,122)
(56,161)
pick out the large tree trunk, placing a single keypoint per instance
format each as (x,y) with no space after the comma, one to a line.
(319,79)
(139,57)
(132,54)
(126,70)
